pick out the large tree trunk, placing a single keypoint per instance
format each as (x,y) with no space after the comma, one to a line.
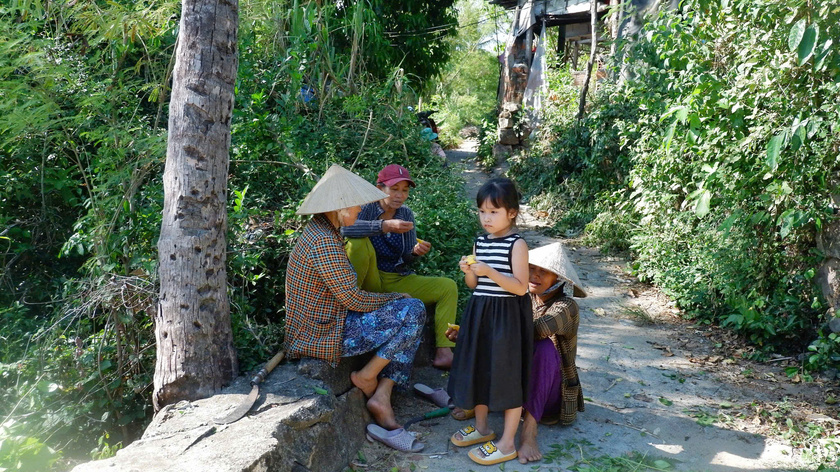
(195,353)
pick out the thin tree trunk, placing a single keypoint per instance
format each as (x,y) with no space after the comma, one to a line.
(195,353)
(593,12)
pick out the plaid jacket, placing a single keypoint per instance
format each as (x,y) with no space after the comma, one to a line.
(560,322)
(320,288)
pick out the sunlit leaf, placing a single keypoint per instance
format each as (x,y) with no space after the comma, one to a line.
(806,46)
(796,33)
(773,148)
(820,58)
(701,209)
(786,223)
(660,464)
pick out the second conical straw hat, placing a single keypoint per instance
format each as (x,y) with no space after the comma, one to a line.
(339,188)
(553,258)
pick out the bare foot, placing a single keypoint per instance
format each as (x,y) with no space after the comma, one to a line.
(528,449)
(383,414)
(367,386)
(443,358)
(461,415)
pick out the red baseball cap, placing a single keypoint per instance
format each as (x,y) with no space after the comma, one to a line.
(393,173)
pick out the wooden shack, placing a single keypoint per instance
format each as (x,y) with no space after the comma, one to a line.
(572,20)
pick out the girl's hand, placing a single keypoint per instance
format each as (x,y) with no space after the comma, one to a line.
(463,265)
(422,247)
(480,268)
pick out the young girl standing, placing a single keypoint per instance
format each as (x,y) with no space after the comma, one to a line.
(495,342)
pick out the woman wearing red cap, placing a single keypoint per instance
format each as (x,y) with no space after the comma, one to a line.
(382,245)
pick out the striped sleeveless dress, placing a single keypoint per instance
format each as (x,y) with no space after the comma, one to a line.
(495,343)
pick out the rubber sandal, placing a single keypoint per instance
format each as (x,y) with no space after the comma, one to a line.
(438,396)
(461,414)
(489,454)
(399,439)
(470,436)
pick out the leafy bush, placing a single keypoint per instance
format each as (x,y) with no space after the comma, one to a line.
(712,161)
(465,92)
(84,89)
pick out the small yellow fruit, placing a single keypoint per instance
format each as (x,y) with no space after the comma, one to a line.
(420,241)
(454,326)
(470,259)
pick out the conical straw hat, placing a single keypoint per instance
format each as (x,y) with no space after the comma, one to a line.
(339,188)
(553,258)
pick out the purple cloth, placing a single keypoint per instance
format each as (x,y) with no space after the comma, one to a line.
(546,380)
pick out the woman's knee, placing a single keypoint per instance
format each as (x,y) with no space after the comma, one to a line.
(449,286)
(416,306)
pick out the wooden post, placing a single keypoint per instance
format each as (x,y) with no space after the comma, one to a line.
(529,43)
(575,54)
(561,42)
(593,15)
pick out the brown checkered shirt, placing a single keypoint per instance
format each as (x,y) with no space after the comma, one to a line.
(320,288)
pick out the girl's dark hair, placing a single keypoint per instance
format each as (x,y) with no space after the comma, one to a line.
(500,192)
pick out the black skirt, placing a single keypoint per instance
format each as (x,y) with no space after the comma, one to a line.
(493,353)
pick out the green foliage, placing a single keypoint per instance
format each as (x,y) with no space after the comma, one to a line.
(83,95)
(20,452)
(408,34)
(713,162)
(465,93)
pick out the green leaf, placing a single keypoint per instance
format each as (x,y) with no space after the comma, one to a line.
(773,148)
(820,59)
(806,46)
(665,401)
(701,209)
(796,33)
(798,139)
(660,464)
(786,223)
(706,420)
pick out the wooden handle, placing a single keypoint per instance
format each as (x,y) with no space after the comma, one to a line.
(269,366)
(274,361)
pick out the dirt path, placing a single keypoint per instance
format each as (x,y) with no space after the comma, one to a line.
(658,390)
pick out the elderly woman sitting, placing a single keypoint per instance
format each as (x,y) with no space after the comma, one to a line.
(329,317)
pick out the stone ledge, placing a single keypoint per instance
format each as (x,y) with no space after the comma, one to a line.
(290,428)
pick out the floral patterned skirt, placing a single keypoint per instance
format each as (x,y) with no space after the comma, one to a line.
(393,331)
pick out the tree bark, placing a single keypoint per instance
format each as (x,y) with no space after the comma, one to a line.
(593,12)
(195,353)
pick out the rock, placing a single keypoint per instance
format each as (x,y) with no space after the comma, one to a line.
(510,107)
(505,122)
(290,427)
(834,324)
(828,241)
(469,131)
(508,136)
(501,152)
(828,279)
